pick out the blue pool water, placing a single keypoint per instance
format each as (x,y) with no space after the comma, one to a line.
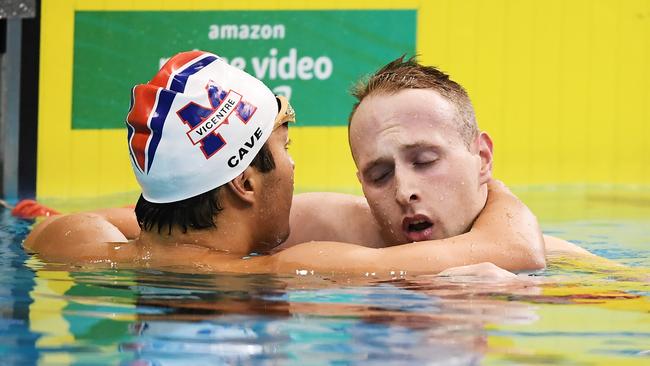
(572,313)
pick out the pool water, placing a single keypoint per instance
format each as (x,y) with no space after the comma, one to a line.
(572,313)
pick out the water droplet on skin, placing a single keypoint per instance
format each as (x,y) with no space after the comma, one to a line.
(146,256)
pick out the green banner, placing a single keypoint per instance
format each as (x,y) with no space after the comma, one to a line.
(313,57)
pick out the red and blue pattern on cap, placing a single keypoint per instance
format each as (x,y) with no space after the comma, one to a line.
(151,103)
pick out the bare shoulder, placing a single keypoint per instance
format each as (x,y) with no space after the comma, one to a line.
(326,216)
(560,246)
(69,236)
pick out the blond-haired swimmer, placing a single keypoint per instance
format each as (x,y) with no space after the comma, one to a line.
(426,173)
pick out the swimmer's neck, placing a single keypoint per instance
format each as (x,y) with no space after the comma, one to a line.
(228,239)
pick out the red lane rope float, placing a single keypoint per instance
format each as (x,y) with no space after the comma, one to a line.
(29,209)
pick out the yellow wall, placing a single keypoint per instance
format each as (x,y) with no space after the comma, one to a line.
(563,87)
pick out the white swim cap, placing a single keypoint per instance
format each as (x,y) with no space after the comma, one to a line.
(197,125)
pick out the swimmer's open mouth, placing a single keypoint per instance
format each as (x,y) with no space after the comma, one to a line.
(417,228)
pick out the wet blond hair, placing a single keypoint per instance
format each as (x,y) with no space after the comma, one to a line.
(401,74)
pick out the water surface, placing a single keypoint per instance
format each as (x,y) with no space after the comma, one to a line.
(572,313)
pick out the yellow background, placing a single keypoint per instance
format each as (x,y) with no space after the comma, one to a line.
(563,87)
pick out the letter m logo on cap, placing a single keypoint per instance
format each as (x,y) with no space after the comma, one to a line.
(204,121)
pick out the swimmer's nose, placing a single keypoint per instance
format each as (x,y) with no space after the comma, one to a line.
(406,199)
(406,192)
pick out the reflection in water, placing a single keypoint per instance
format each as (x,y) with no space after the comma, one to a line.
(133,317)
(271,319)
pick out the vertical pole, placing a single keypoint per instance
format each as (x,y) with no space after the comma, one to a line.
(10,113)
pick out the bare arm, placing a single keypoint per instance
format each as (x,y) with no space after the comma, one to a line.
(69,237)
(332,259)
(505,232)
(123,218)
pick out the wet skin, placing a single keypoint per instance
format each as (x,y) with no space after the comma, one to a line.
(420,178)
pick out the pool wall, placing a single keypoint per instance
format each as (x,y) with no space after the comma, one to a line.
(562,87)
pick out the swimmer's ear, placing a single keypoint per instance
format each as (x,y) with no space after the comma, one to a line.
(485,149)
(244,186)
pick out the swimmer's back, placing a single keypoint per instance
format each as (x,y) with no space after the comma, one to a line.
(555,245)
(326,216)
